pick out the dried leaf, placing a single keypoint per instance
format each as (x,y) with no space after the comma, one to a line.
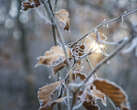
(113,91)
(63,16)
(78,75)
(44,95)
(89,103)
(55,57)
(30,4)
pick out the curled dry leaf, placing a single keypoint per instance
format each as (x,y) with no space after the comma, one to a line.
(44,95)
(113,91)
(97,49)
(30,4)
(89,103)
(63,16)
(55,57)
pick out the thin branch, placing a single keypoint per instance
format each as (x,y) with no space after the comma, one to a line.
(117,19)
(53,26)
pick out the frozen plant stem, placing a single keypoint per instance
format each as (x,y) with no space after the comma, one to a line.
(50,13)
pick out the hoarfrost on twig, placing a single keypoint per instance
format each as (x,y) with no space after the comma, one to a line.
(131,47)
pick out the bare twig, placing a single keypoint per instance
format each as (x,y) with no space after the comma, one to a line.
(53,26)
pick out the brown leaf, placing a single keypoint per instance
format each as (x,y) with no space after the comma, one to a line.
(30,4)
(55,57)
(78,75)
(44,95)
(89,104)
(63,16)
(113,91)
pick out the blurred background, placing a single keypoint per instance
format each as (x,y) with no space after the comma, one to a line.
(25,35)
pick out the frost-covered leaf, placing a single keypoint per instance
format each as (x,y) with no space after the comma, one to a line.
(63,16)
(89,103)
(113,91)
(55,58)
(44,95)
